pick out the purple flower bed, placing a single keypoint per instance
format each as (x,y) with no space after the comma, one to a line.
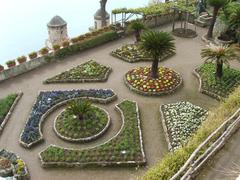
(47,100)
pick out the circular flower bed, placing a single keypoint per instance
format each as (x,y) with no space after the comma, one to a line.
(140,81)
(69,127)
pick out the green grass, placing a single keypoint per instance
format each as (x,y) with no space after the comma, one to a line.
(5,105)
(172,162)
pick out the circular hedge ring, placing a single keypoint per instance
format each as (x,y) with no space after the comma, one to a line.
(140,81)
(69,127)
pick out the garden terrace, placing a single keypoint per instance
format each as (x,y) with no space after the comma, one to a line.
(140,81)
(47,101)
(125,148)
(213,87)
(133,53)
(180,120)
(14,166)
(7,106)
(70,128)
(90,71)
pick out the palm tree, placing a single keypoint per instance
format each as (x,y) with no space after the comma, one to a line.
(79,108)
(157,44)
(216,4)
(137,27)
(219,55)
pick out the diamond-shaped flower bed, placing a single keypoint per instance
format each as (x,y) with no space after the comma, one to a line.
(133,53)
(180,120)
(95,123)
(139,80)
(125,148)
(90,71)
(213,87)
(12,165)
(47,101)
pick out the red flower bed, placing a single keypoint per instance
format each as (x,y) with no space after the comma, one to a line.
(139,80)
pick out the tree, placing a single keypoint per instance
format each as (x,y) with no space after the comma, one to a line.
(137,27)
(216,4)
(79,108)
(157,44)
(219,55)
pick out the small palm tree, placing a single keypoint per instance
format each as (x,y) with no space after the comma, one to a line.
(216,4)
(137,27)
(79,108)
(157,44)
(219,55)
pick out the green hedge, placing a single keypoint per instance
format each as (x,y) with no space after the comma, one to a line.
(5,105)
(78,47)
(172,162)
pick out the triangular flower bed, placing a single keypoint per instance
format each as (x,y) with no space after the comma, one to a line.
(180,120)
(133,53)
(125,148)
(90,71)
(48,101)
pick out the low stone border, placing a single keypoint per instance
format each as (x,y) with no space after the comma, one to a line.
(87,139)
(105,163)
(153,93)
(10,111)
(81,80)
(201,90)
(14,158)
(96,100)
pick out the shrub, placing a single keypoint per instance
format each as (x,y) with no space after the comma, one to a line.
(65,43)
(44,51)
(11,63)
(81,38)
(5,105)
(56,47)
(74,40)
(79,108)
(32,55)
(1,68)
(22,59)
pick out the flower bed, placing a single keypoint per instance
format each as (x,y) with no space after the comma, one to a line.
(18,167)
(180,120)
(217,89)
(139,80)
(47,101)
(125,148)
(69,128)
(7,105)
(133,53)
(90,71)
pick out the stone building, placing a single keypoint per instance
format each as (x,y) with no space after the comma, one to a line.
(99,22)
(57,31)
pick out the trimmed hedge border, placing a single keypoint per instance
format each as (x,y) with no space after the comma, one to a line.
(86,139)
(48,81)
(98,163)
(14,160)
(51,109)
(153,93)
(4,122)
(114,54)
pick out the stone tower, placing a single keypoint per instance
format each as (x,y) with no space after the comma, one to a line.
(101,17)
(57,31)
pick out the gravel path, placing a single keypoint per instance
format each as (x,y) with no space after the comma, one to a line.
(186,60)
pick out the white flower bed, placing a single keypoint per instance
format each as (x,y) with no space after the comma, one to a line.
(180,121)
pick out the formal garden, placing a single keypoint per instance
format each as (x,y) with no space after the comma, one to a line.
(99,108)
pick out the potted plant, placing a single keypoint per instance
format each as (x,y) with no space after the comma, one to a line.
(65,43)
(74,40)
(88,35)
(1,68)
(11,63)
(56,47)
(81,38)
(44,51)
(21,59)
(32,55)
